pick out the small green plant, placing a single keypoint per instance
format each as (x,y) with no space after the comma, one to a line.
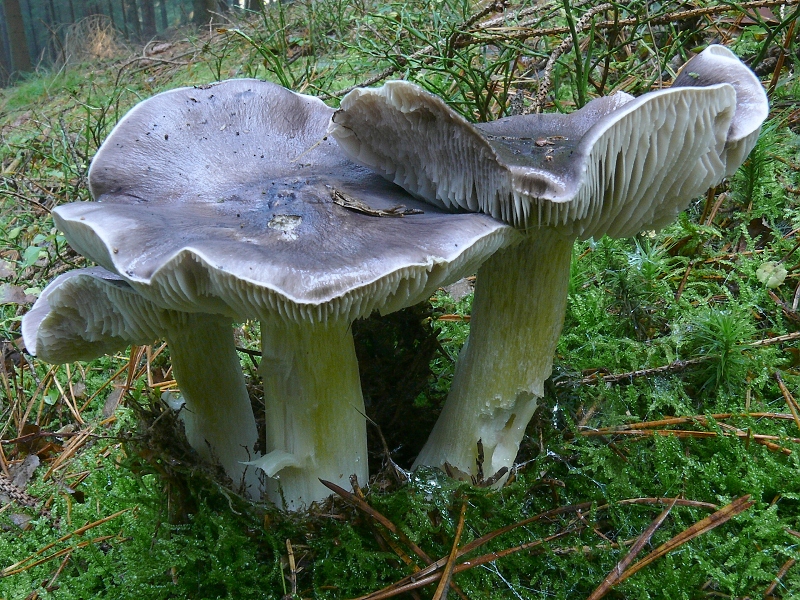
(721,336)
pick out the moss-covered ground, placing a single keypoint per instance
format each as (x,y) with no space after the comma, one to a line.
(675,377)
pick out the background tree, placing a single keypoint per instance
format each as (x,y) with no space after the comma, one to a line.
(203,11)
(133,25)
(20,54)
(148,18)
(5,54)
(164,19)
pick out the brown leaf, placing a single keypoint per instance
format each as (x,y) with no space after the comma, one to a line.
(6,269)
(21,473)
(14,294)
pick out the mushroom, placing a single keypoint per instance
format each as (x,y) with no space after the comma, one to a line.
(226,200)
(617,166)
(86,313)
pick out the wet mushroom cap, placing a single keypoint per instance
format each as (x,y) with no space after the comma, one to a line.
(615,166)
(717,64)
(226,199)
(78,317)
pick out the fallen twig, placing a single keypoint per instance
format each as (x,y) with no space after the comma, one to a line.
(614,576)
(447,572)
(790,401)
(673,367)
(679,433)
(18,566)
(783,570)
(716,519)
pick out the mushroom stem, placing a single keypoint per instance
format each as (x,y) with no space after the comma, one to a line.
(316,427)
(86,313)
(517,316)
(218,417)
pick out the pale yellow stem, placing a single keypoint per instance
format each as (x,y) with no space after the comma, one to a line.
(517,316)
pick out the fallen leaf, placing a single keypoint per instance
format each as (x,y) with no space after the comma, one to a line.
(20,520)
(14,294)
(21,473)
(6,269)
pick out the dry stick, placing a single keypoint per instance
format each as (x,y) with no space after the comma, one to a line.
(383,539)
(783,570)
(447,572)
(414,583)
(679,433)
(547,515)
(748,436)
(292,568)
(715,209)
(544,84)
(138,352)
(710,195)
(701,419)
(64,538)
(7,573)
(662,20)
(40,388)
(678,502)
(778,339)
(69,451)
(363,506)
(72,408)
(613,576)
(49,585)
(790,401)
(3,464)
(487,538)
(779,64)
(29,437)
(676,366)
(703,526)
(108,382)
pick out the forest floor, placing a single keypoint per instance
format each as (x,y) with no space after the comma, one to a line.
(670,423)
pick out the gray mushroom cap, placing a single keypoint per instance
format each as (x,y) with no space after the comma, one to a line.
(715,65)
(223,199)
(614,167)
(87,313)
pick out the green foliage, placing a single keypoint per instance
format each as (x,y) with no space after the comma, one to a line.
(719,336)
(674,318)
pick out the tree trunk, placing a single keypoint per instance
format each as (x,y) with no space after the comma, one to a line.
(20,54)
(5,56)
(203,11)
(111,14)
(164,18)
(34,41)
(134,24)
(148,18)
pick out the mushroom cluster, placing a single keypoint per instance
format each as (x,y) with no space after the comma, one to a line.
(220,204)
(617,166)
(227,202)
